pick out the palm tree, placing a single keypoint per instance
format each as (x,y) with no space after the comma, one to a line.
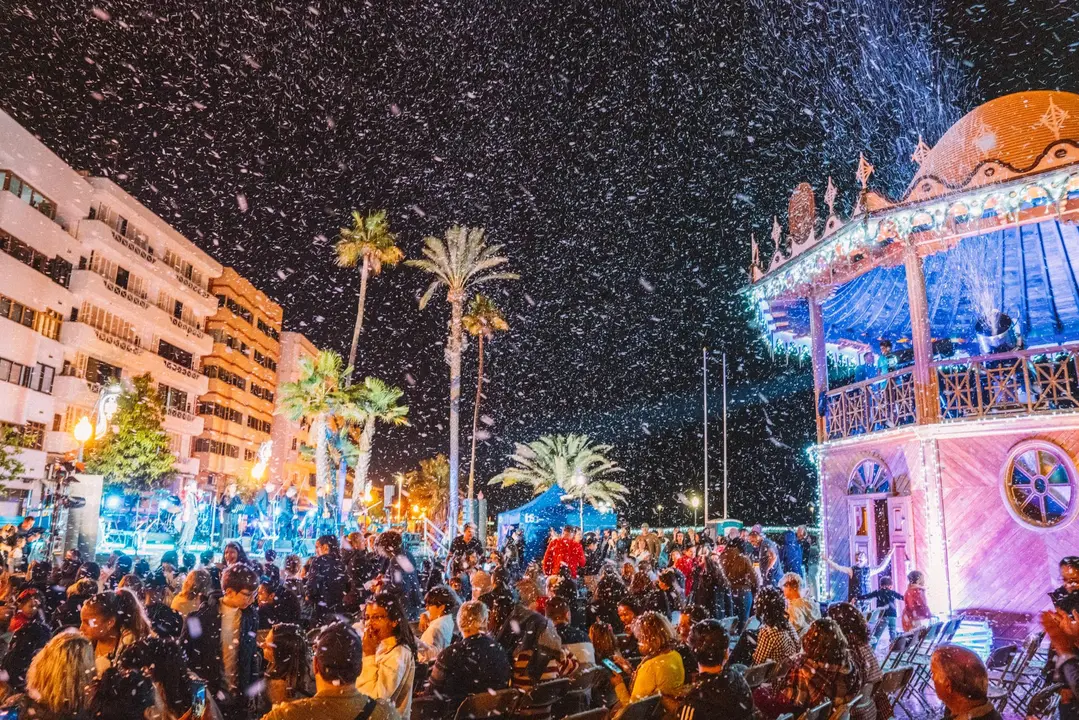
(377,402)
(320,396)
(459,264)
(572,462)
(428,486)
(369,244)
(483,320)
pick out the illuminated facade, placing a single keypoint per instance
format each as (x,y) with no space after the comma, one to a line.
(288,466)
(955,447)
(238,406)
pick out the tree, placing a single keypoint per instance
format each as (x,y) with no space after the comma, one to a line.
(369,244)
(135,450)
(483,320)
(460,264)
(13,440)
(319,394)
(571,462)
(377,403)
(429,485)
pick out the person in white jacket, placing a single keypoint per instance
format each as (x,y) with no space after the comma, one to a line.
(436,623)
(389,653)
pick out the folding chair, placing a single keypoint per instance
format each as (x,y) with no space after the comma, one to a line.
(579,696)
(818,713)
(499,703)
(759,674)
(1016,675)
(899,647)
(539,701)
(728,623)
(643,709)
(842,712)
(893,683)
(1044,702)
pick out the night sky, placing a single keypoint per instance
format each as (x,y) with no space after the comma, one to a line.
(621,151)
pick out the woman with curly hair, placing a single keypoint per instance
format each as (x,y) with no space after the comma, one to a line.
(288,664)
(661,669)
(852,622)
(823,671)
(777,639)
(57,679)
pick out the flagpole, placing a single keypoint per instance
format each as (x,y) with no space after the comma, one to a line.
(724,436)
(704,368)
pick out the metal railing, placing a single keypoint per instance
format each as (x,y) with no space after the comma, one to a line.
(880,403)
(144,252)
(179,413)
(191,284)
(125,293)
(1042,380)
(187,327)
(176,367)
(131,346)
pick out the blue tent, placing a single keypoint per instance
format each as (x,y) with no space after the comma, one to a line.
(548,511)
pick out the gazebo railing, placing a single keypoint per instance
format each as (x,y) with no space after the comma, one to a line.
(1042,380)
(880,403)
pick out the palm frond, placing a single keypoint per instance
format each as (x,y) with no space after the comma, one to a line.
(572,462)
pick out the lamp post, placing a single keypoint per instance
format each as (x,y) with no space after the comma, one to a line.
(696,503)
(83,432)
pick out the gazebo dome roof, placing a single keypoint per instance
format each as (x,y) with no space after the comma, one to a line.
(1003,138)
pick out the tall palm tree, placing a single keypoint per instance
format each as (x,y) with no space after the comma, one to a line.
(460,264)
(369,244)
(483,320)
(377,402)
(572,462)
(320,396)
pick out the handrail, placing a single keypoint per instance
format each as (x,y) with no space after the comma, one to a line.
(123,343)
(187,327)
(1026,353)
(906,369)
(144,252)
(176,367)
(178,413)
(192,285)
(124,293)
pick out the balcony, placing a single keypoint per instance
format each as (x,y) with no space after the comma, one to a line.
(96,229)
(180,414)
(1040,381)
(31,225)
(187,327)
(192,285)
(73,390)
(111,348)
(90,281)
(880,403)
(179,376)
(182,422)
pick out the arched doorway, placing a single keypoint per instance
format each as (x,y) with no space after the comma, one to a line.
(879,520)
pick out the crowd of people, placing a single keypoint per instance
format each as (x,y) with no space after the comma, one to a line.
(361,631)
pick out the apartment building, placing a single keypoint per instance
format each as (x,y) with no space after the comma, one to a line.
(288,466)
(41,201)
(238,406)
(141,303)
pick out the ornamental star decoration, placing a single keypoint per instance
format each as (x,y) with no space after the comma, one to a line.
(1054,118)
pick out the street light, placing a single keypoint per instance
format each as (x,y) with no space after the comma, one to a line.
(83,431)
(696,503)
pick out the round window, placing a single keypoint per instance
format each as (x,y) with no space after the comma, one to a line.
(1039,485)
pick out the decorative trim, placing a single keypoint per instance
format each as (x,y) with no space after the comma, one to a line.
(1065,462)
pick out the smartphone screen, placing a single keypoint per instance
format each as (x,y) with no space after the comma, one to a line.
(610,665)
(198,701)
(9,714)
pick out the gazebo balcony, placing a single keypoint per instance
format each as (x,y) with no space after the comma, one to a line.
(1037,381)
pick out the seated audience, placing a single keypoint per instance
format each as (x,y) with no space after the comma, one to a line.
(436,623)
(852,622)
(476,663)
(962,683)
(574,640)
(338,658)
(661,669)
(823,671)
(720,691)
(776,639)
(800,611)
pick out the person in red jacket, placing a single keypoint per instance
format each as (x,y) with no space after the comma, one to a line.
(563,551)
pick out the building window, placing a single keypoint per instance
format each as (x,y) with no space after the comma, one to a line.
(220,373)
(225,413)
(295,443)
(256,424)
(174,354)
(100,372)
(265,361)
(1039,485)
(57,269)
(216,447)
(37,377)
(16,312)
(250,455)
(236,308)
(261,392)
(269,331)
(173,398)
(868,477)
(35,199)
(233,343)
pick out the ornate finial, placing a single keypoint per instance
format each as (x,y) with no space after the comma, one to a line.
(829,197)
(777,232)
(1054,118)
(921,152)
(864,171)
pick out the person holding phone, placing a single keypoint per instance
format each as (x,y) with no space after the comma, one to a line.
(661,671)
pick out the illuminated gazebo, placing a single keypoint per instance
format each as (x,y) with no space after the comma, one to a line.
(958,450)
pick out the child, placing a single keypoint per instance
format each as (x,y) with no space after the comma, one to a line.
(885,598)
(915,605)
(858,574)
